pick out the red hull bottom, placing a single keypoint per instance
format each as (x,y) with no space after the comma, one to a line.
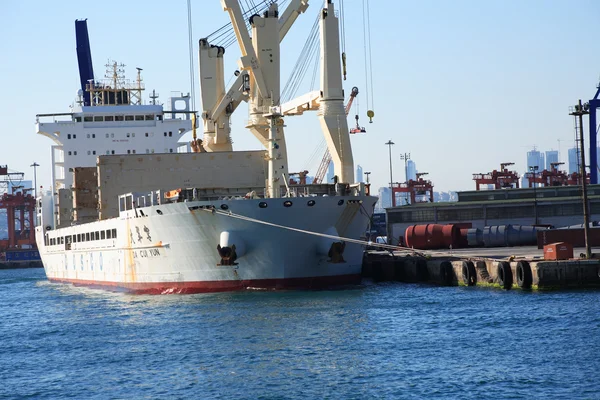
(321,282)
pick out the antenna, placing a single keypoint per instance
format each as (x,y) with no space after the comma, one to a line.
(154,96)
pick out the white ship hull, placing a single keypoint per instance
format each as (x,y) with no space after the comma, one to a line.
(172,248)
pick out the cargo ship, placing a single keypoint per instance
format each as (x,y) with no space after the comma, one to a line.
(134,209)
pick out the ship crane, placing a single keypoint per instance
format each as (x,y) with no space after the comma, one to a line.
(324,165)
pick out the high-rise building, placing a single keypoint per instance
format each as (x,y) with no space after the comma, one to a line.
(411,170)
(385,198)
(330,173)
(551,157)
(535,159)
(359,173)
(573,160)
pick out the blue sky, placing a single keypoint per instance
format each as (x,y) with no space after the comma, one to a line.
(461,85)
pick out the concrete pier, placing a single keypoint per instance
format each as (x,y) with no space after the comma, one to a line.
(511,272)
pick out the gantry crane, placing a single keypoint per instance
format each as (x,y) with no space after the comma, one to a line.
(327,156)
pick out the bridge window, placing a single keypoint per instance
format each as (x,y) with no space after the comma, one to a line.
(139,117)
(93,136)
(109,118)
(134,151)
(77,119)
(74,136)
(89,152)
(69,136)
(108,234)
(88,119)
(119,118)
(114,233)
(170,134)
(149,117)
(112,152)
(165,134)
(132,134)
(128,151)
(87,237)
(98,118)
(129,118)
(69,153)
(146,134)
(128,134)
(102,235)
(94,152)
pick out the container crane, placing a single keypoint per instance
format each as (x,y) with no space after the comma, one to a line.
(500,179)
(327,156)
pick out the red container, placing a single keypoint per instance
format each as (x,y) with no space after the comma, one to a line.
(558,251)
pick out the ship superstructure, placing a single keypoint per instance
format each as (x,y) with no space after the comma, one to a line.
(115,122)
(132,209)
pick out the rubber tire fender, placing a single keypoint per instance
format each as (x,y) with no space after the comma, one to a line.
(422,272)
(524,276)
(504,272)
(469,274)
(446,272)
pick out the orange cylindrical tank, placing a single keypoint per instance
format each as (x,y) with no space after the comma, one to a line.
(434,236)
(425,237)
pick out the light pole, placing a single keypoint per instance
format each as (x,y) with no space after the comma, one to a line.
(579,111)
(533,169)
(390,144)
(35,165)
(367,174)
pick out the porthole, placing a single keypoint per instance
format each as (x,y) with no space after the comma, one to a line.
(340,202)
(311,203)
(159,212)
(262,204)
(287,203)
(224,207)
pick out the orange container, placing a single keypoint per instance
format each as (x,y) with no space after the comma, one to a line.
(558,251)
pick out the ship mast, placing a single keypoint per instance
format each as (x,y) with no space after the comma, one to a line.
(115,89)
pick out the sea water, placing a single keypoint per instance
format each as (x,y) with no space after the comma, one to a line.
(375,341)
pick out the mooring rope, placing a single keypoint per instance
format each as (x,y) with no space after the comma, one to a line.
(342,238)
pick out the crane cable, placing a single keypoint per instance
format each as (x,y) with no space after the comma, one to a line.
(368,59)
(343,38)
(191,52)
(307,55)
